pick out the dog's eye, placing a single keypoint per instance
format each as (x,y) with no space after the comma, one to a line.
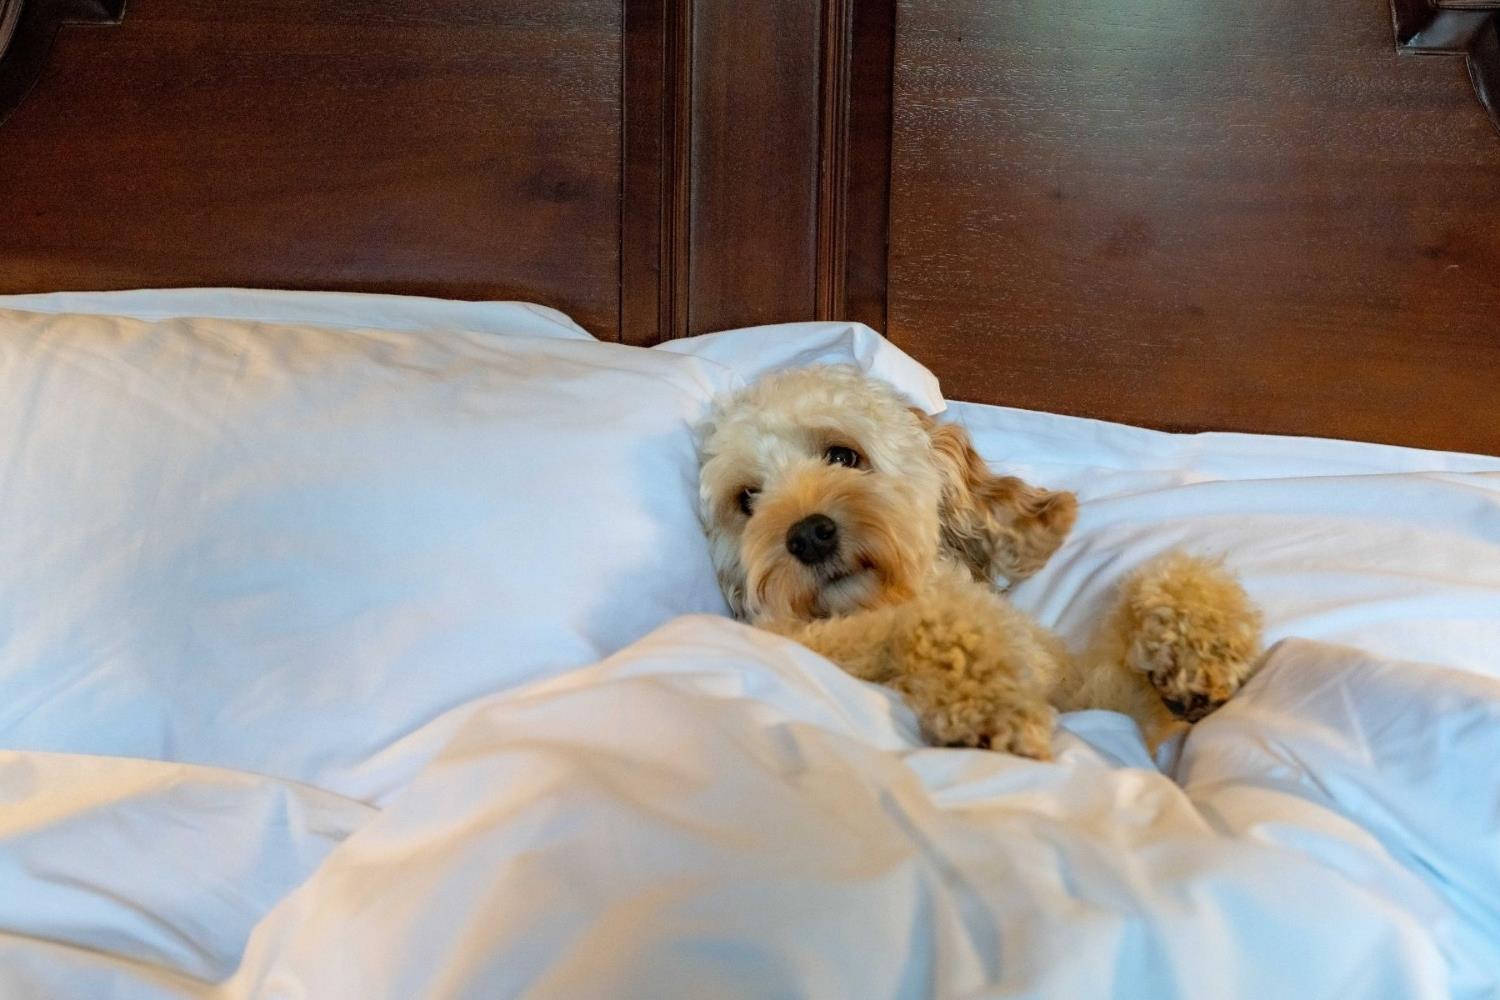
(839,455)
(746,500)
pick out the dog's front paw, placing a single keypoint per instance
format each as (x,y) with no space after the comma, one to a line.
(1023,729)
(973,719)
(1025,732)
(955,677)
(1194,633)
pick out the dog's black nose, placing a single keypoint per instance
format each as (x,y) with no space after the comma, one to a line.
(813,539)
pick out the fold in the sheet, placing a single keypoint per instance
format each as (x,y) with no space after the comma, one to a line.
(716,812)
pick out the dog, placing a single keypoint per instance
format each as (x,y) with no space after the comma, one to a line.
(841,517)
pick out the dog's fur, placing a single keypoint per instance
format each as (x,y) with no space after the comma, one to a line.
(924,532)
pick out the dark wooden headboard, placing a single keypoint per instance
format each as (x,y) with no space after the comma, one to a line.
(1276,216)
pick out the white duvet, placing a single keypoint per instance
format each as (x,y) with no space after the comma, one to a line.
(715,812)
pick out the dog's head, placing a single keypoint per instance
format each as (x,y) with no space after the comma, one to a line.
(824,493)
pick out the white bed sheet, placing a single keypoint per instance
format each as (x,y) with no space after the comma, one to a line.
(125,878)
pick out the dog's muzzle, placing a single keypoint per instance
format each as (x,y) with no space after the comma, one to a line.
(813,540)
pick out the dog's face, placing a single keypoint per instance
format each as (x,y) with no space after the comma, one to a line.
(823,493)
(820,496)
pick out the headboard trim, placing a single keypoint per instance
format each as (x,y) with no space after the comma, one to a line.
(27,31)
(1469,28)
(10,16)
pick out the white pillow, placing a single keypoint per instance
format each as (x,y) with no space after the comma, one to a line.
(1391,550)
(281,549)
(754,351)
(346,310)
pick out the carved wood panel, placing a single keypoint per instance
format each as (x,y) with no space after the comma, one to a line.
(655,167)
(764,127)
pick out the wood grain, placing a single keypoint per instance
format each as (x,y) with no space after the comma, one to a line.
(835,82)
(418,146)
(867,211)
(1207,215)
(755,159)
(653,222)
(654,167)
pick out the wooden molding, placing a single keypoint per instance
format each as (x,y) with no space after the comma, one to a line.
(800,110)
(833,158)
(27,31)
(867,171)
(677,173)
(1468,28)
(859,46)
(655,198)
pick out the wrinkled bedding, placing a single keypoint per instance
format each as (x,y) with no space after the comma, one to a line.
(710,811)
(718,812)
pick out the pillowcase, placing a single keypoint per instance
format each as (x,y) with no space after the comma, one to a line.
(754,351)
(1392,550)
(345,310)
(282,548)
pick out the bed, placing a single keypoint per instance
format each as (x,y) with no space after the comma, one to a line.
(357,636)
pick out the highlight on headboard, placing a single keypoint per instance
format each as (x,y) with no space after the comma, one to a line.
(27,30)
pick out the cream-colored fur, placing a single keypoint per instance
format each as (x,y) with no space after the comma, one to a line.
(909,598)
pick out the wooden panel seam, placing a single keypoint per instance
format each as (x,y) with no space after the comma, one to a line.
(833,160)
(866,222)
(849,113)
(677,175)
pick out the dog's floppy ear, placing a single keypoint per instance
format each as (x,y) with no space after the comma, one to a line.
(998,525)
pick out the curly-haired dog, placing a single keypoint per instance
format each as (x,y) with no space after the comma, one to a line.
(846,520)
